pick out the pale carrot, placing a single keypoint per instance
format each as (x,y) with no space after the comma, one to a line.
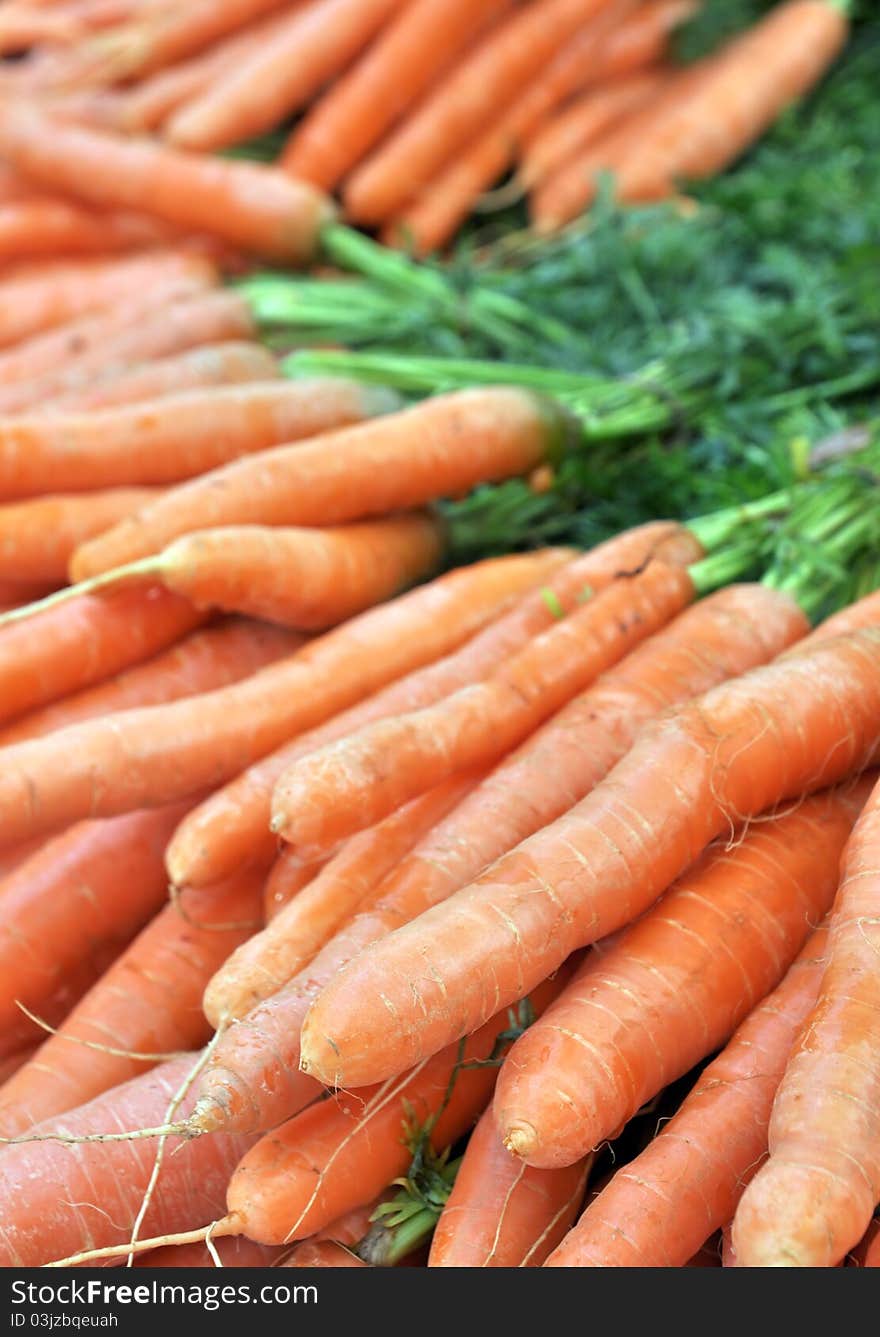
(441,447)
(57,1198)
(502,1213)
(777,732)
(352,116)
(657,1210)
(355,782)
(477,90)
(148,1002)
(88,769)
(316,44)
(305,578)
(258,208)
(287,878)
(37,537)
(676,985)
(233,826)
(263,964)
(814,1199)
(205,660)
(232,363)
(175,437)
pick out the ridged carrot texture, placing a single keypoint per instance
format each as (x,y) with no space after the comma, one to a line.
(315,44)
(360,779)
(207,659)
(148,1002)
(502,1213)
(676,985)
(83,642)
(173,438)
(659,1209)
(814,1199)
(56,1199)
(351,117)
(37,537)
(88,769)
(442,447)
(31,303)
(263,964)
(233,825)
(228,363)
(9,1066)
(258,208)
(745,88)
(305,578)
(92,887)
(477,90)
(777,732)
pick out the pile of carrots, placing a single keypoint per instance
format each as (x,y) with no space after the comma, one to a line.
(410,110)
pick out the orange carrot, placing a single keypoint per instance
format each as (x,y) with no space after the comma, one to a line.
(147,1002)
(56,1198)
(61,292)
(659,1209)
(779,731)
(322,1253)
(287,878)
(502,1213)
(232,363)
(263,964)
(258,208)
(305,578)
(235,1251)
(92,887)
(675,985)
(863,613)
(37,537)
(9,1066)
(814,1199)
(441,447)
(580,123)
(718,116)
(478,89)
(350,784)
(353,115)
(233,825)
(88,769)
(49,227)
(205,660)
(315,44)
(176,437)
(83,642)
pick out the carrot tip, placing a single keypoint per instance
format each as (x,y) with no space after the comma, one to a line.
(521,1140)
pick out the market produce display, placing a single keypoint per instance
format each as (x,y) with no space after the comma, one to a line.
(439,633)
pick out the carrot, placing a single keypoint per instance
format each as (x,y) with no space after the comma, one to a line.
(287,878)
(352,116)
(582,121)
(88,769)
(56,1198)
(85,642)
(61,292)
(264,963)
(149,1001)
(675,985)
(235,1251)
(52,228)
(701,132)
(315,45)
(9,1066)
(185,323)
(258,208)
(814,1199)
(477,90)
(322,1253)
(779,731)
(441,447)
(37,537)
(229,363)
(660,1208)
(305,578)
(233,825)
(176,436)
(502,1213)
(206,659)
(92,887)
(863,613)
(352,783)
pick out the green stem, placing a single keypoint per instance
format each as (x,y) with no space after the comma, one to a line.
(719,527)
